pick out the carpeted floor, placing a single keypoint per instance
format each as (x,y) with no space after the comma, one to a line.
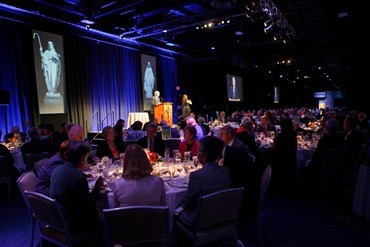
(286,220)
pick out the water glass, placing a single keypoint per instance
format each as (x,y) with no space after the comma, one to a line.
(167,155)
(187,156)
(195,161)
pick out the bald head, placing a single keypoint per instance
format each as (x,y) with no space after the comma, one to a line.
(76,133)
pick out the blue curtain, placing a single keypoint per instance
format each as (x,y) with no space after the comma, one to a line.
(103,81)
(168,71)
(15,77)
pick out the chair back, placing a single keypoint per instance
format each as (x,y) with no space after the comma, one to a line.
(46,210)
(28,181)
(218,207)
(172,143)
(336,159)
(31,158)
(38,164)
(264,183)
(5,173)
(137,225)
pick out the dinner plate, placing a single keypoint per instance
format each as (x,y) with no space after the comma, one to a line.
(179,183)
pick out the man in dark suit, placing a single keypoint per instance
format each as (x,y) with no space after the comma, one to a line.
(243,172)
(152,141)
(16,132)
(247,137)
(233,90)
(209,179)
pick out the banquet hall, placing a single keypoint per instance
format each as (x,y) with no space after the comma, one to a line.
(94,62)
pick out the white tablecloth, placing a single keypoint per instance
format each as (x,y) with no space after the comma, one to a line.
(18,161)
(134,116)
(361,197)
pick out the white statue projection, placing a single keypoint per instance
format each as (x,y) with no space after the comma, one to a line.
(49,76)
(149,80)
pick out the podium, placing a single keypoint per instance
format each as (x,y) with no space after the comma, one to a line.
(163,111)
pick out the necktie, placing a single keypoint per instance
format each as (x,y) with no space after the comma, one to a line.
(151,145)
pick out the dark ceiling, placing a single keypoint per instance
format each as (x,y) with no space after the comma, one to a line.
(315,35)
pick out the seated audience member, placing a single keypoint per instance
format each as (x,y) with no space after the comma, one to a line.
(109,147)
(182,122)
(15,134)
(247,137)
(353,138)
(222,117)
(76,133)
(363,122)
(284,157)
(265,126)
(135,131)
(137,186)
(205,127)
(44,174)
(189,143)
(191,121)
(243,172)
(151,141)
(118,127)
(209,179)
(64,129)
(153,121)
(35,145)
(331,139)
(69,187)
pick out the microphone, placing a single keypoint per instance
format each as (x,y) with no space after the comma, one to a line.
(161,99)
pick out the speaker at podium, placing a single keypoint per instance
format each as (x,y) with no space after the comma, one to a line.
(163,111)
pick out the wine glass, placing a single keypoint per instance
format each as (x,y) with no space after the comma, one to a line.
(179,168)
(171,170)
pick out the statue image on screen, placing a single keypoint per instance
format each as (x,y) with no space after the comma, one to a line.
(50,63)
(149,81)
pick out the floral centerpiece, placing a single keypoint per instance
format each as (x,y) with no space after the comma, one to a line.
(152,156)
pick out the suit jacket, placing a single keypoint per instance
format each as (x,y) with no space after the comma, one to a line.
(70,189)
(159,144)
(243,173)
(248,140)
(36,146)
(209,179)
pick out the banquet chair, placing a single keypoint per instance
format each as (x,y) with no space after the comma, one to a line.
(28,181)
(38,164)
(264,185)
(172,143)
(5,177)
(52,225)
(336,171)
(137,226)
(31,158)
(215,218)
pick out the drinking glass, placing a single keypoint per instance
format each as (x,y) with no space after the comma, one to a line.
(100,167)
(195,162)
(179,168)
(167,155)
(187,156)
(171,170)
(174,152)
(178,157)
